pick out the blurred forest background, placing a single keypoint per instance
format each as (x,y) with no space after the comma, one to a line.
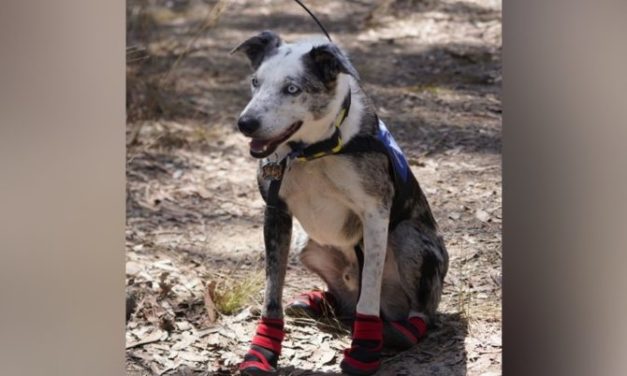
(195,255)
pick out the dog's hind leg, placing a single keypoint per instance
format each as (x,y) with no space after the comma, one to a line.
(423,267)
(421,273)
(339,269)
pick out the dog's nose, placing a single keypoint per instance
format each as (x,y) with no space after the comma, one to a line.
(248,125)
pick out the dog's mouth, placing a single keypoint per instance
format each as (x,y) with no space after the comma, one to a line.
(263,148)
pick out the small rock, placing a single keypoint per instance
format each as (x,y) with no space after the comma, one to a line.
(454,215)
(482,215)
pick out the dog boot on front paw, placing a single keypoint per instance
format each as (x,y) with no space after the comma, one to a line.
(311,304)
(403,334)
(263,355)
(364,356)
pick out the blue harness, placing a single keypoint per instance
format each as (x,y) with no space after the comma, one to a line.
(394,152)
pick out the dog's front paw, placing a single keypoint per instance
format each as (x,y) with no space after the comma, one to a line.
(263,355)
(364,356)
(259,362)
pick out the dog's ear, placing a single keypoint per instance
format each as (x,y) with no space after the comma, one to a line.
(259,47)
(327,61)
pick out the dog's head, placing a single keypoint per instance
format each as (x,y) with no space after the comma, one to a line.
(295,89)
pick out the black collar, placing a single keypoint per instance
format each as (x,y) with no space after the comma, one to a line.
(328,146)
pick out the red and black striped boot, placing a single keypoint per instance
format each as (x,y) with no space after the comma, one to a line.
(263,355)
(403,334)
(364,356)
(312,304)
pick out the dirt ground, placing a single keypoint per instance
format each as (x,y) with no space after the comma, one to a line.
(194,216)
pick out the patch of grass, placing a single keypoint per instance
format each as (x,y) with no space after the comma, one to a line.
(428,88)
(232,294)
(464,300)
(462,297)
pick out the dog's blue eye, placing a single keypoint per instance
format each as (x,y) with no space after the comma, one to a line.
(254,82)
(292,89)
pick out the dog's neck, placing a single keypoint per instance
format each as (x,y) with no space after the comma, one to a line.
(324,128)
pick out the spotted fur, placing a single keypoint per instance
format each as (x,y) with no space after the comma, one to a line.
(342,201)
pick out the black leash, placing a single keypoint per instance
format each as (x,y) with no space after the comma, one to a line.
(315,19)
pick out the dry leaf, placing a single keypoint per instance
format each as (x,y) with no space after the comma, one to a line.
(230,358)
(192,356)
(186,340)
(323,355)
(157,335)
(214,339)
(133,268)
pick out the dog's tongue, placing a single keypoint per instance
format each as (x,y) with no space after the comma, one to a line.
(258,145)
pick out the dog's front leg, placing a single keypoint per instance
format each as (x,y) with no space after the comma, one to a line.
(363,358)
(265,349)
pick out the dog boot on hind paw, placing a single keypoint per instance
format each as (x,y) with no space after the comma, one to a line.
(263,355)
(311,304)
(403,334)
(364,356)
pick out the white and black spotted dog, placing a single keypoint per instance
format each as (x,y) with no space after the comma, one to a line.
(327,160)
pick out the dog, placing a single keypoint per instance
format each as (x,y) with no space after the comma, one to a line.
(329,161)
